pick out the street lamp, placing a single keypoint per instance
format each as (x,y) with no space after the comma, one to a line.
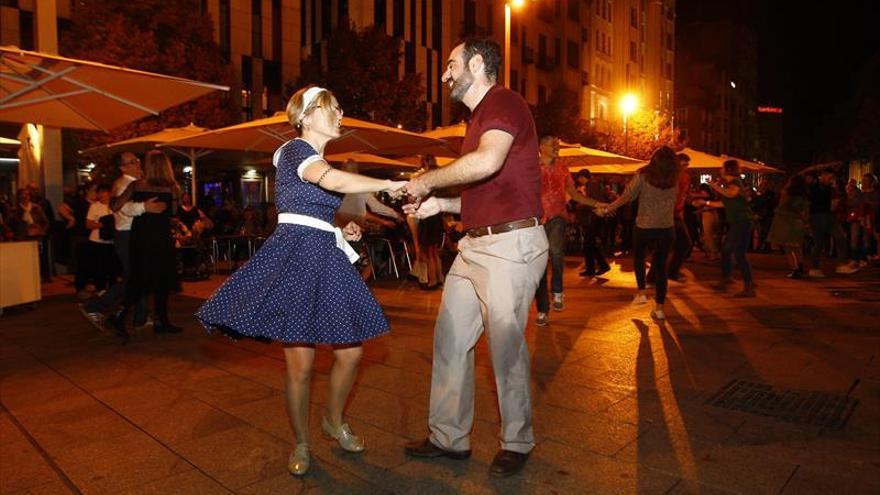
(508,7)
(628,105)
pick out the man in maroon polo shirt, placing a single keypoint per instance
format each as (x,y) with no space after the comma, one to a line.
(500,262)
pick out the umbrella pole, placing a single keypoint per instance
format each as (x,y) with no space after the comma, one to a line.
(192,174)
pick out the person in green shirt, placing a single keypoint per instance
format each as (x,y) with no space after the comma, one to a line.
(739,219)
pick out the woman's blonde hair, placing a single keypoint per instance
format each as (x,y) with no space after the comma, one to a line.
(157,169)
(296,112)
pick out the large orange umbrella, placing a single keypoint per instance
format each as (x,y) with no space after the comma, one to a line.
(703,160)
(597,161)
(8,143)
(453,135)
(57,91)
(149,141)
(268,134)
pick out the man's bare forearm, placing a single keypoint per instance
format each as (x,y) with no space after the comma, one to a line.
(467,169)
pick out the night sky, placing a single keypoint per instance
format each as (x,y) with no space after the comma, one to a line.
(808,53)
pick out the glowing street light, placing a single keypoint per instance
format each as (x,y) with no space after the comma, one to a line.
(628,104)
(508,7)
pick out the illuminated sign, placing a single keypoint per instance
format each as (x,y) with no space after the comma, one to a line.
(769,109)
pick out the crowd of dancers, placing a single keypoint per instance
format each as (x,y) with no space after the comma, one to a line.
(303,288)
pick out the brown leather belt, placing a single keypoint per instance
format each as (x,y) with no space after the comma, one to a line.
(503,227)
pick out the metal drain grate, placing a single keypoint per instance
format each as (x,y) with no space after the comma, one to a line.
(794,406)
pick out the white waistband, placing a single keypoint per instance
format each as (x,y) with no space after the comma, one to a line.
(306,220)
(319,224)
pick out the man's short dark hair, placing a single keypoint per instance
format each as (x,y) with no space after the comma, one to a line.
(585,173)
(490,51)
(118,161)
(683,157)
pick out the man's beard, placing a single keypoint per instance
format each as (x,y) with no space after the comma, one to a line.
(461,85)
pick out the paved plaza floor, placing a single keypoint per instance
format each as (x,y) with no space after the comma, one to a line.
(622,404)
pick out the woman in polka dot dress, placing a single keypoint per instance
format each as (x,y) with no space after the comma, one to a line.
(300,287)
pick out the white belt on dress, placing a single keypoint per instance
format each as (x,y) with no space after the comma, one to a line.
(316,223)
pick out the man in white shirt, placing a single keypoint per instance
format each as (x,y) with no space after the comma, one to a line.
(130,167)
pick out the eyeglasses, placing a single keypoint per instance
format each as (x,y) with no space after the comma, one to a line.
(334,107)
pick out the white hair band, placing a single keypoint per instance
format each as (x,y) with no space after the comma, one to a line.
(308,97)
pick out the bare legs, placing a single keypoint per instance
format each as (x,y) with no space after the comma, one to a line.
(296,389)
(342,377)
(297,382)
(435,266)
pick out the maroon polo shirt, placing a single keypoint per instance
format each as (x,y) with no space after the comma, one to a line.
(514,192)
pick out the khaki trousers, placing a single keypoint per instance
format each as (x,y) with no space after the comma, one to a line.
(490,286)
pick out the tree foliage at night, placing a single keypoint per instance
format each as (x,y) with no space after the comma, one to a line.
(647,131)
(173,38)
(362,70)
(560,117)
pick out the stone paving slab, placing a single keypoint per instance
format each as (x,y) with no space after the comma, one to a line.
(619,399)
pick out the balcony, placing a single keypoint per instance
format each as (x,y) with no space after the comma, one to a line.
(546,63)
(528,55)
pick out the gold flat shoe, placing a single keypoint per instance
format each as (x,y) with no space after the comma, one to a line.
(347,440)
(298,463)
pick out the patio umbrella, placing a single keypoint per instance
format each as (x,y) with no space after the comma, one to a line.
(149,141)
(453,135)
(703,160)
(367,161)
(64,92)
(9,144)
(267,134)
(580,157)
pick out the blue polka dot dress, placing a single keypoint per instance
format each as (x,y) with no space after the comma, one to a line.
(299,287)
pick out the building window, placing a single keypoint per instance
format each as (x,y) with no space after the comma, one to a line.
(326,18)
(573,55)
(669,41)
(302,24)
(380,13)
(26,30)
(246,93)
(470,18)
(633,17)
(425,23)
(429,77)
(514,31)
(225,29)
(398,16)
(257,28)
(574,10)
(490,16)
(313,17)
(436,26)
(514,79)
(412,21)
(409,57)
(633,51)
(542,49)
(557,51)
(276,30)
(343,13)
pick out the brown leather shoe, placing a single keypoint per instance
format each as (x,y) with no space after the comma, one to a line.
(426,448)
(507,463)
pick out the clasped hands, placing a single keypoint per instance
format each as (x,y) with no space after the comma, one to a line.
(419,206)
(603,209)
